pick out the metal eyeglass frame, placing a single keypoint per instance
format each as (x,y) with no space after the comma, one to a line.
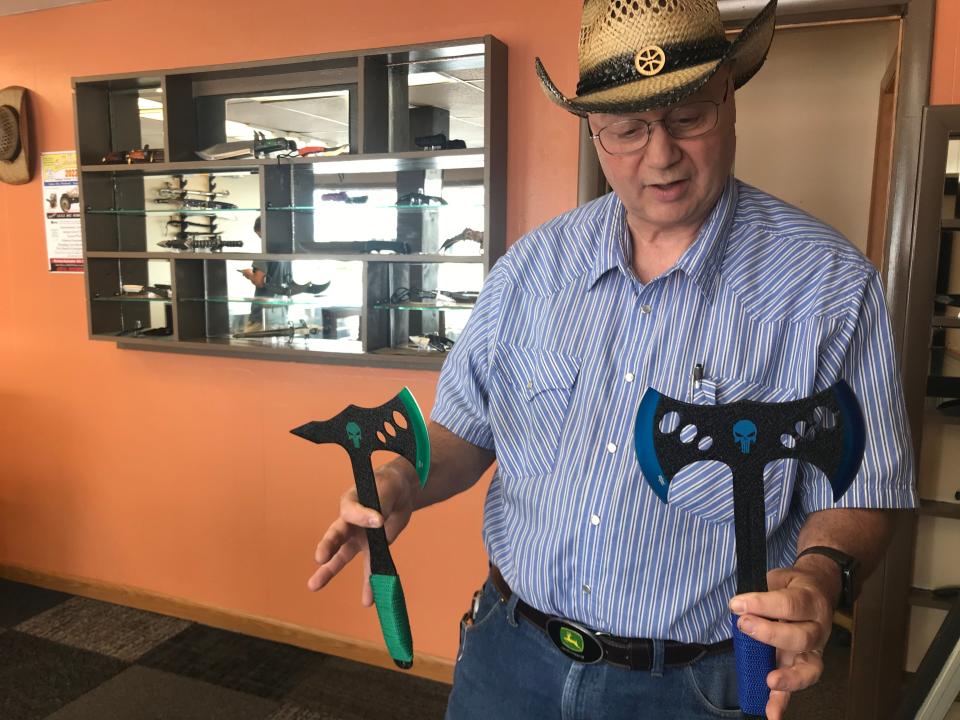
(663,121)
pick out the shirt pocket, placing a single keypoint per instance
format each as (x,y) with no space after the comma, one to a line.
(529,405)
(705,489)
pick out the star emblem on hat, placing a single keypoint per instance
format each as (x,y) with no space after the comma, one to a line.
(650,60)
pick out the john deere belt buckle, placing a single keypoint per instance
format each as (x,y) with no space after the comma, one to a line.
(574,641)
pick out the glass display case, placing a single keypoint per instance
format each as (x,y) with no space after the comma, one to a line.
(341,208)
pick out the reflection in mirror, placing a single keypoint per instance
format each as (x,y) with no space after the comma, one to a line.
(201,212)
(317,299)
(945,341)
(433,211)
(320,118)
(950,202)
(150,106)
(459,91)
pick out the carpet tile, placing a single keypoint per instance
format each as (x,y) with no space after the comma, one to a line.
(141,693)
(289,711)
(346,685)
(19,602)
(38,676)
(121,632)
(231,660)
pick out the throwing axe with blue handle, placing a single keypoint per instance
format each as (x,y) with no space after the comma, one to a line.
(825,430)
(397,426)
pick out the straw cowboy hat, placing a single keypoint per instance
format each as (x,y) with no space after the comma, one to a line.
(15,159)
(636,55)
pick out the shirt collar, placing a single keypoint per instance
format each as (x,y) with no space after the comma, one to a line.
(700,262)
(613,249)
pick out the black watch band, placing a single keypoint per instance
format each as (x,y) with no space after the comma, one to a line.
(848,568)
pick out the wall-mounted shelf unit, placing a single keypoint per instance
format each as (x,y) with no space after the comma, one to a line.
(373,256)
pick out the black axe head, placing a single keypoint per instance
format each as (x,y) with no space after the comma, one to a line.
(397,426)
(825,430)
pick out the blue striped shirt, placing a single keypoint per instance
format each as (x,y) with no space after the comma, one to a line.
(564,340)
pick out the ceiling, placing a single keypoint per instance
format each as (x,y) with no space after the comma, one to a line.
(14,7)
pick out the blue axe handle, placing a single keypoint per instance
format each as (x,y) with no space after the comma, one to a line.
(754,659)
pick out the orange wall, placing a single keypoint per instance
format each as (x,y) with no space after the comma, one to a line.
(945,73)
(176,474)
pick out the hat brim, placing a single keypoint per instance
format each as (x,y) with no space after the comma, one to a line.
(18,170)
(746,53)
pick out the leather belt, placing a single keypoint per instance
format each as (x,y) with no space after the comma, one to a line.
(590,646)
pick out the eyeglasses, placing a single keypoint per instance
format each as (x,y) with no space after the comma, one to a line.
(686,121)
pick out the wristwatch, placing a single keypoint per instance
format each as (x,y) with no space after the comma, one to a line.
(848,572)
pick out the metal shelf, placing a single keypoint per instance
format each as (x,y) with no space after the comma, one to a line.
(366,163)
(413,259)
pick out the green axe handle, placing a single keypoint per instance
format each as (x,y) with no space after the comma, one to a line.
(387,591)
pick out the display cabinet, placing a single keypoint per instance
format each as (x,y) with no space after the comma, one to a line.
(338,208)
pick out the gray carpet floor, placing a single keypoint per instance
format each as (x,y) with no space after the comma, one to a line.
(64,657)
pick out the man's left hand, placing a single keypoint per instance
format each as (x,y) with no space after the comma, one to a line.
(795,616)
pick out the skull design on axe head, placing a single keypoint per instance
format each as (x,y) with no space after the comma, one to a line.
(745,433)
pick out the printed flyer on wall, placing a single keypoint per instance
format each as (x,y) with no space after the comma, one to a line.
(61,210)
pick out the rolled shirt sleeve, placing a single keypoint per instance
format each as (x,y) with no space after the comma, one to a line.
(866,355)
(461,404)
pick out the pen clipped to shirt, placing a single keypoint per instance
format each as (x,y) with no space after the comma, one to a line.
(697,375)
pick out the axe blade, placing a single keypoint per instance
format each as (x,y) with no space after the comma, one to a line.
(837,449)
(361,431)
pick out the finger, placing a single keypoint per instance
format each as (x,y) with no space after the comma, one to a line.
(792,636)
(793,603)
(338,535)
(394,525)
(329,569)
(805,671)
(353,512)
(777,705)
(366,594)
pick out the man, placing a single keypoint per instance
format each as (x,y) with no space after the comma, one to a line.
(687,281)
(266,277)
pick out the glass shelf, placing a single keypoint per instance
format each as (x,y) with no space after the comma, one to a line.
(131,298)
(399,208)
(297,342)
(427,307)
(314,301)
(173,211)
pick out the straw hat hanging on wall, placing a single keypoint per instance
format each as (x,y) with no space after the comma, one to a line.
(16,162)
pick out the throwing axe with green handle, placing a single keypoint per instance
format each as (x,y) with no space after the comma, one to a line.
(397,426)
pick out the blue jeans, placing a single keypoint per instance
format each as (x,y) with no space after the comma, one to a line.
(508,669)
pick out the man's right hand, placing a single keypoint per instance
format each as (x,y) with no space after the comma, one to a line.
(455,465)
(347,536)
